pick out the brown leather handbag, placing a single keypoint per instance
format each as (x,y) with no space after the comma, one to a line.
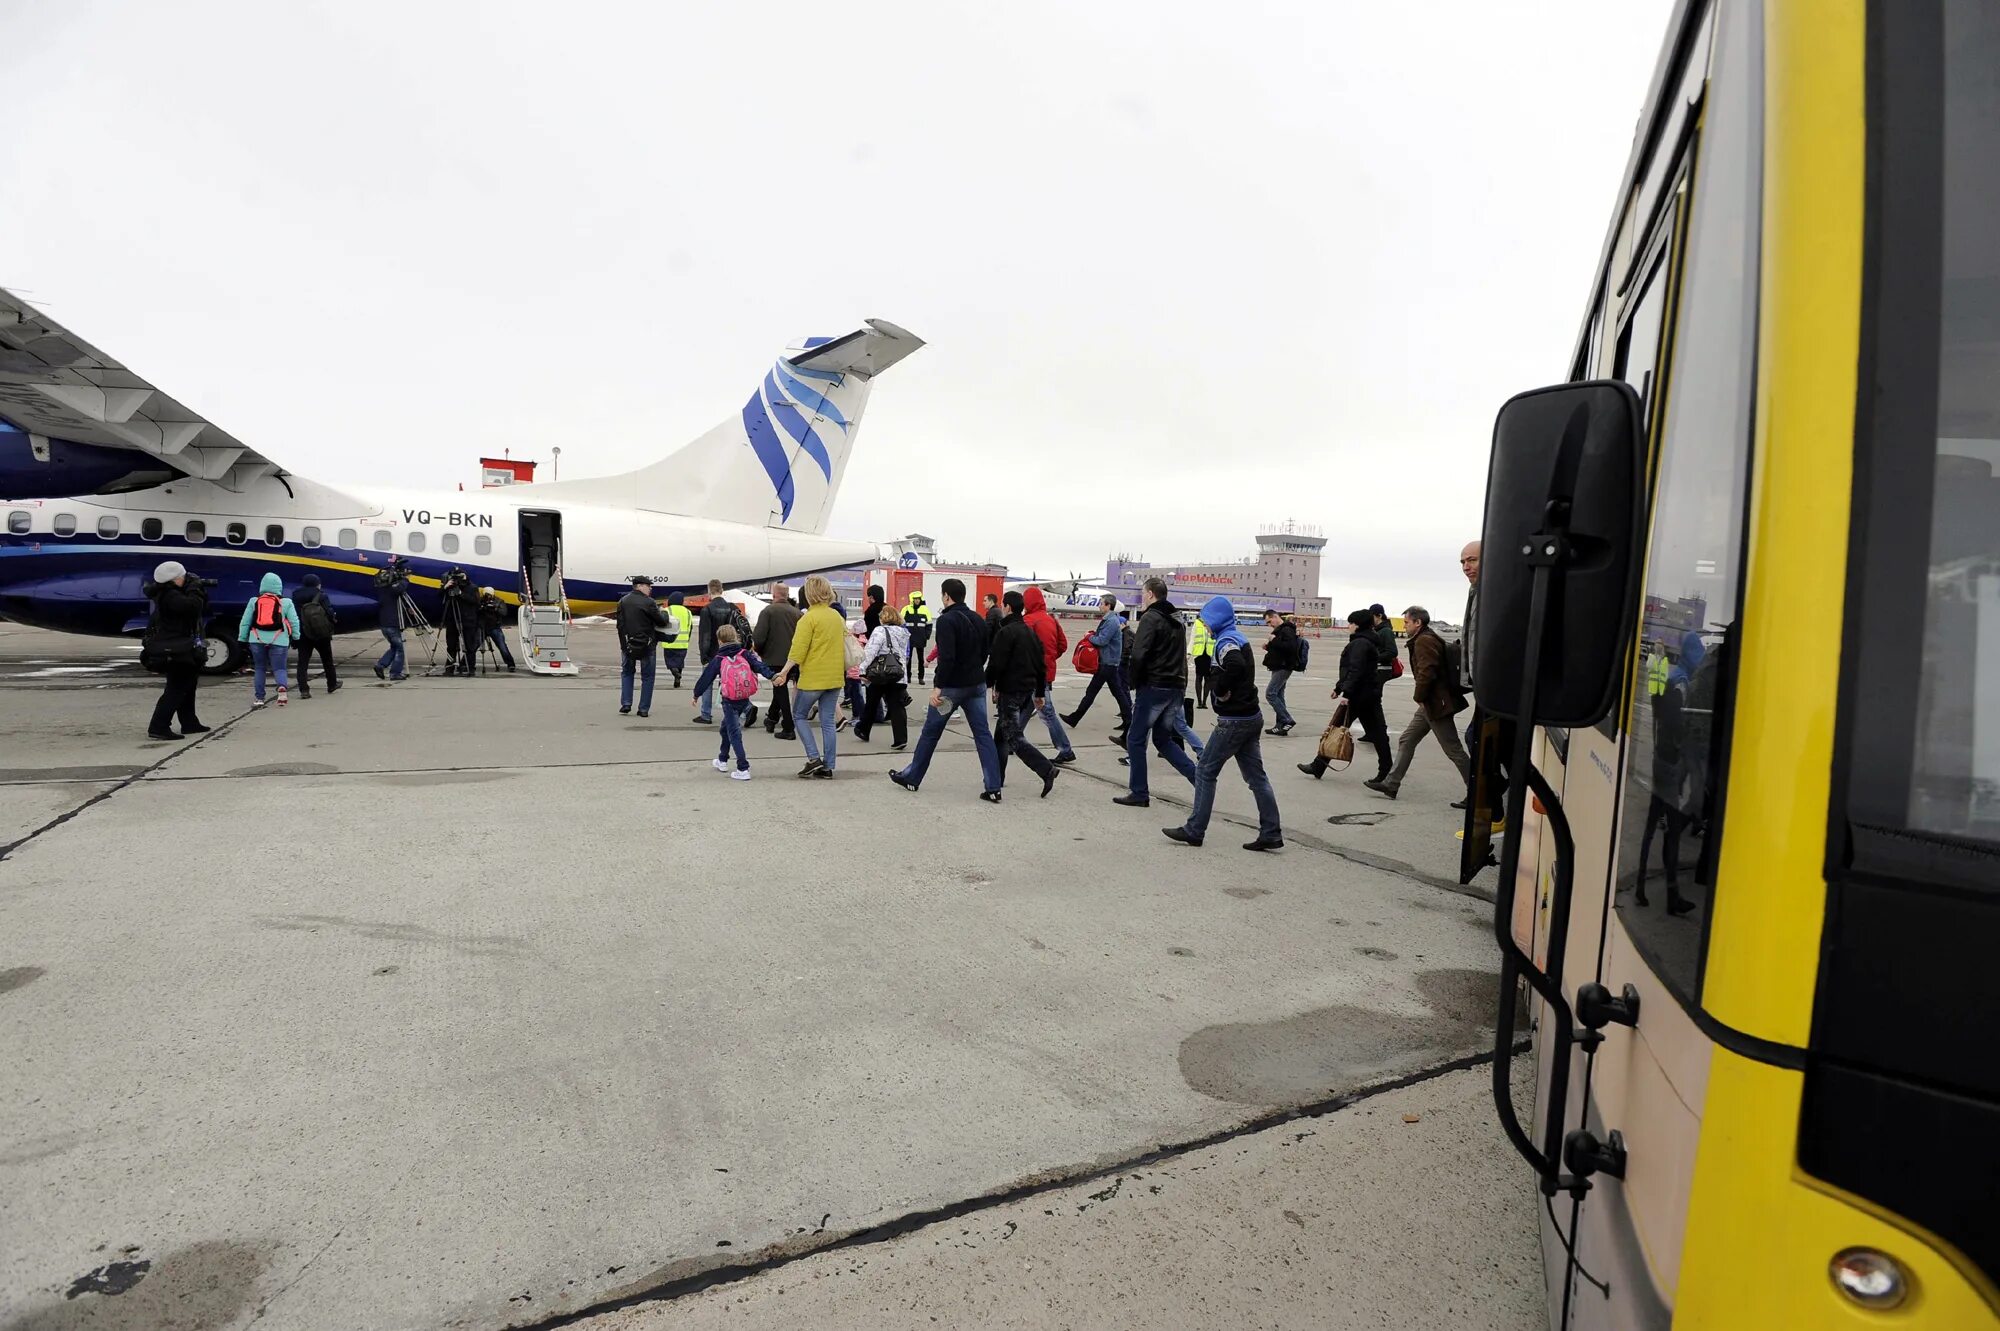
(1336,743)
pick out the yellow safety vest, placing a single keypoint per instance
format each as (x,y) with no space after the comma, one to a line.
(680,628)
(1656,676)
(1204,641)
(917,613)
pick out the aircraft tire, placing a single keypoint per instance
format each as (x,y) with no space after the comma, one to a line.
(225,655)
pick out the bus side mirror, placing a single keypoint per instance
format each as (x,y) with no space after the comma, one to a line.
(1565,505)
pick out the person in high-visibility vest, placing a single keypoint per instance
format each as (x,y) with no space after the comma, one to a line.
(1657,671)
(1202,643)
(917,619)
(680,635)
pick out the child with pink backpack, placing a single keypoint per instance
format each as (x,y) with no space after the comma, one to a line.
(737,670)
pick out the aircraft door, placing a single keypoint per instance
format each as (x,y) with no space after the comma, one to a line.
(541,555)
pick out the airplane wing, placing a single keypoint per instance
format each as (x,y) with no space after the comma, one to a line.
(55,385)
(863,353)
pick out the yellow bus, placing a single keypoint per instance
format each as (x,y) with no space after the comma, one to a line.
(1737,661)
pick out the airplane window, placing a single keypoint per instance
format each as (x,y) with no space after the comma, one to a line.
(152,529)
(274,534)
(17,521)
(382,540)
(482,545)
(349,538)
(309,537)
(197,532)
(449,542)
(416,542)
(107,527)
(236,533)
(65,524)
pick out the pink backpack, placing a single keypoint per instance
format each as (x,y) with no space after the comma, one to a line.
(739,681)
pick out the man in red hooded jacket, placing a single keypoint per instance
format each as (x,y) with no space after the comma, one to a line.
(1054,643)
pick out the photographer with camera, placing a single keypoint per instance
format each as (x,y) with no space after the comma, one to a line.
(172,646)
(492,616)
(461,623)
(392,584)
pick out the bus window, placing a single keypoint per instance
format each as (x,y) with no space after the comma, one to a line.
(1676,745)
(152,529)
(64,525)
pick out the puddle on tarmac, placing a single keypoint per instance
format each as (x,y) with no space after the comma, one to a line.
(202,1287)
(285,769)
(1307,1056)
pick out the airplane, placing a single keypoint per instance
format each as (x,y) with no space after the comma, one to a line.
(103,476)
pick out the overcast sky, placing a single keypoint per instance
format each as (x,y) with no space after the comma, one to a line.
(1183,268)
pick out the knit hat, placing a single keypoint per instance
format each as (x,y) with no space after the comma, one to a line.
(169,570)
(309,580)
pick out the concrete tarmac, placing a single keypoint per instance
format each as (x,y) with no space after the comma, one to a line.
(472,1003)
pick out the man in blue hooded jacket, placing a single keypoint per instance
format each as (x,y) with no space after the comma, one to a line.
(1239,725)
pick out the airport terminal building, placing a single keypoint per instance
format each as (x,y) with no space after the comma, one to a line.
(1283,575)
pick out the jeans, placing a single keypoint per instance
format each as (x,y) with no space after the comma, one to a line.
(177,698)
(827,703)
(708,698)
(1057,735)
(269,656)
(392,660)
(732,731)
(1010,736)
(1238,737)
(1185,728)
(1274,693)
(648,666)
(1156,713)
(973,702)
(498,637)
(675,659)
(1422,724)
(1107,675)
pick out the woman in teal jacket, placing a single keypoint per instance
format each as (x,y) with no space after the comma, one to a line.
(269,625)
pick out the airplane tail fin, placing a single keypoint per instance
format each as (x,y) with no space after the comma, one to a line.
(779,461)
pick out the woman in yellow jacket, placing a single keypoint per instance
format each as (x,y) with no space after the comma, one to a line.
(818,667)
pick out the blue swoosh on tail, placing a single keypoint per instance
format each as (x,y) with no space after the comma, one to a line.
(795,426)
(807,398)
(770,451)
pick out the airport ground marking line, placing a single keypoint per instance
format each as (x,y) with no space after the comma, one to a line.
(140,775)
(1056,1180)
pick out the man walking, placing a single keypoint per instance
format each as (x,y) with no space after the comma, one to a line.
(960,685)
(1238,723)
(1385,636)
(1503,736)
(917,619)
(993,616)
(1438,703)
(771,640)
(1017,673)
(316,621)
(1281,658)
(1109,639)
(1203,646)
(1361,685)
(640,624)
(680,637)
(1159,667)
(1054,643)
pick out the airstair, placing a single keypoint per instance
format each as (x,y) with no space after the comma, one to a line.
(545,618)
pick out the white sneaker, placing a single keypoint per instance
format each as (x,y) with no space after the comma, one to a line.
(718,764)
(740,774)
(256,702)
